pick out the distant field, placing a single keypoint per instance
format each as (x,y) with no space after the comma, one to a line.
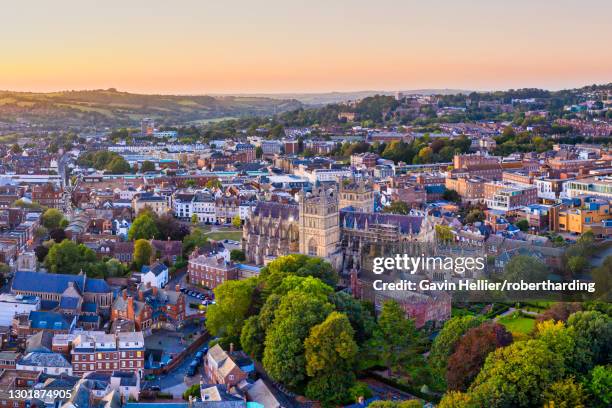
(220,236)
(518,324)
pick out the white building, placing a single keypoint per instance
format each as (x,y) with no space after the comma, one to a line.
(155,275)
(11,304)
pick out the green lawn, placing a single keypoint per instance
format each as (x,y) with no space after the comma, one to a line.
(517,323)
(220,236)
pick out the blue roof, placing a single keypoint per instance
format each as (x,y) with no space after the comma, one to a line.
(89,318)
(96,286)
(69,302)
(56,282)
(48,304)
(45,282)
(49,320)
(90,307)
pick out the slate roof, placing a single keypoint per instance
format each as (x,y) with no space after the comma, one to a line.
(38,359)
(89,307)
(56,282)
(49,320)
(69,303)
(276,210)
(358,220)
(157,268)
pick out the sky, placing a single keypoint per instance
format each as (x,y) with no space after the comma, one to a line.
(274,46)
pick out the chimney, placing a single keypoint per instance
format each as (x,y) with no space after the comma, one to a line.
(154,290)
(130,308)
(148,285)
(231,351)
(177,287)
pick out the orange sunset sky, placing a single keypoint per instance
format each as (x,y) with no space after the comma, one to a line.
(203,46)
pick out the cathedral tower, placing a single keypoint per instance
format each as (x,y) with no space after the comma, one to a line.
(319,222)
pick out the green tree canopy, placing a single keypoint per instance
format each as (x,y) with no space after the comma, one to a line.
(527,268)
(330,352)
(284,354)
(143,252)
(233,301)
(517,375)
(143,227)
(52,218)
(69,257)
(147,166)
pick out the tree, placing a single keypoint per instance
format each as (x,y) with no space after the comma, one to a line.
(273,274)
(600,386)
(147,166)
(527,268)
(444,233)
(195,239)
(559,311)
(193,391)
(577,264)
(41,252)
(523,225)
(399,334)
(143,252)
(143,227)
(602,276)
(593,336)
(471,351)
(236,222)
(170,228)
(446,341)
(517,375)
(252,337)
(360,390)
(237,255)
(397,207)
(233,300)
(284,355)
(456,399)
(194,219)
(58,235)
(451,195)
(330,352)
(213,183)
(69,257)
(118,165)
(475,215)
(564,394)
(258,152)
(52,218)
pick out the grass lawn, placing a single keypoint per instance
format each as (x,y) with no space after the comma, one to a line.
(518,324)
(220,236)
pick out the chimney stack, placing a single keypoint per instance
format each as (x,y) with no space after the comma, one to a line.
(130,308)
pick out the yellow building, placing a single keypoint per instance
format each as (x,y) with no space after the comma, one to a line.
(580,220)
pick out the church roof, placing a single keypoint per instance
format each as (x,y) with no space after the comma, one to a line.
(359,220)
(276,210)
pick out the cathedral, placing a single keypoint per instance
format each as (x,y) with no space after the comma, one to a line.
(318,226)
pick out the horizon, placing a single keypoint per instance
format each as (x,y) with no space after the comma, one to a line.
(323,92)
(280,47)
